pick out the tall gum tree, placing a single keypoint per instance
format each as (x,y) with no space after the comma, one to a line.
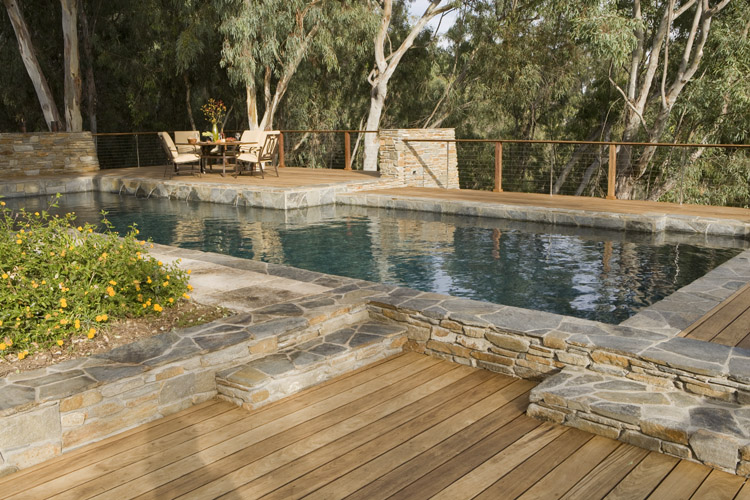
(33,68)
(266,40)
(385,66)
(73,120)
(663,53)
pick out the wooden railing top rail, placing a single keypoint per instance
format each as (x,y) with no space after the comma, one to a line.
(514,141)
(601,143)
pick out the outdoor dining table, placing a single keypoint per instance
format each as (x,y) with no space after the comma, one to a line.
(226,150)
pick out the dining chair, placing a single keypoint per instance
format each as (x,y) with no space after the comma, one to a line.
(174,157)
(260,156)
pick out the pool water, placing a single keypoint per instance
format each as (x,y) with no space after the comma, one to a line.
(601,275)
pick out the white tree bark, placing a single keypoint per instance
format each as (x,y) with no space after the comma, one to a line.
(26,48)
(384,69)
(73,120)
(252,106)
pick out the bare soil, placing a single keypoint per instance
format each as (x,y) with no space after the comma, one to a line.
(116,333)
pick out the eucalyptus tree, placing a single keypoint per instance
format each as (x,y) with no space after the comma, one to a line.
(266,40)
(31,62)
(652,51)
(386,61)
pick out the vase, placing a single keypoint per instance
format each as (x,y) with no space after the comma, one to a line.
(215,132)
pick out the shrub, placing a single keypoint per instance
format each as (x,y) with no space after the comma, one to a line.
(59,279)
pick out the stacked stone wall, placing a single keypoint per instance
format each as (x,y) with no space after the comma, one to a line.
(536,345)
(419,164)
(47,153)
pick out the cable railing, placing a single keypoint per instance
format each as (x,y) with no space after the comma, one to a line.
(332,149)
(715,174)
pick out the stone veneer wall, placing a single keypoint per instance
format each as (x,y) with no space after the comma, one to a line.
(48,153)
(419,164)
(535,345)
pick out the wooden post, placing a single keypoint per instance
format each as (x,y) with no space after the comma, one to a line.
(612,172)
(347,151)
(498,167)
(281,150)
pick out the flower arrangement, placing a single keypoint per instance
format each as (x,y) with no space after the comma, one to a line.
(214,110)
(59,280)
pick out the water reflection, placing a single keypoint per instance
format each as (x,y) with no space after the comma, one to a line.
(595,274)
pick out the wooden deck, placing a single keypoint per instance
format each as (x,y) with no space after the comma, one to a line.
(727,324)
(571,202)
(289,177)
(407,427)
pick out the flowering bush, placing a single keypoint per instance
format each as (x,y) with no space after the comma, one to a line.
(58,280)
(214,110)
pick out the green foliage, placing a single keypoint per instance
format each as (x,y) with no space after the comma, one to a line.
(59,280)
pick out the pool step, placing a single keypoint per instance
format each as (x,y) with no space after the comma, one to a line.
(290,370)
(658,418)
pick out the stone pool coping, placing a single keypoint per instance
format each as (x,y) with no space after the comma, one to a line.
(81,401)
(653,222)
(275,197)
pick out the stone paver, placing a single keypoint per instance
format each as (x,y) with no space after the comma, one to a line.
(278,375)
(667,420)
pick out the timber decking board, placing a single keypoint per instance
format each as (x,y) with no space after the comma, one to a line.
(728,323)
(409,426)
(568,202)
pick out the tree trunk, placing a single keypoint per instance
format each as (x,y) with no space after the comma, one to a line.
(188,106)
(372,141)
(73,120)
(88,50)
(252,107)
(26,48)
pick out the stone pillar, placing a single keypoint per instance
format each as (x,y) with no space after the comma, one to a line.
(47,153)
(419,164)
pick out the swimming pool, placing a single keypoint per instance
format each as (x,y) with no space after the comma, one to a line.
(601,275)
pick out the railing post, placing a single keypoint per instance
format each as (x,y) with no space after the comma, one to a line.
(347,151)
(498,167)
(612,172)
(137,152)
(281,150)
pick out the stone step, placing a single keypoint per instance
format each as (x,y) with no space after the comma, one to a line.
(292,369)
(664,419)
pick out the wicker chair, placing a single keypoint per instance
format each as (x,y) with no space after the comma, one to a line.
(174,157)
(260,156)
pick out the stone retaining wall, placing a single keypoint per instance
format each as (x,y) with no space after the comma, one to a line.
(48,153)
(419,164)
(534,345)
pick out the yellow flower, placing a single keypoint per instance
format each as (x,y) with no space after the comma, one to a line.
(77,324)
(91,230)
(98,318)
(36,213)
(166,283)
(79,228)
(2,203)
(159,263)
(190,287)
(158,308)
(186,295)
(148,280)
(190,271)
(5,276)
(3,346)
(110,291)
(171,300)
(112,282)
(105,317)
(63,303)
(47,316)
(63,321)
(92,332)
(34,284)
(59,342)
(18,241)
(22,355)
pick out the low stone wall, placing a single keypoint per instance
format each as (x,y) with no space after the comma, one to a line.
(48,153)
(419,164)
(535,345)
